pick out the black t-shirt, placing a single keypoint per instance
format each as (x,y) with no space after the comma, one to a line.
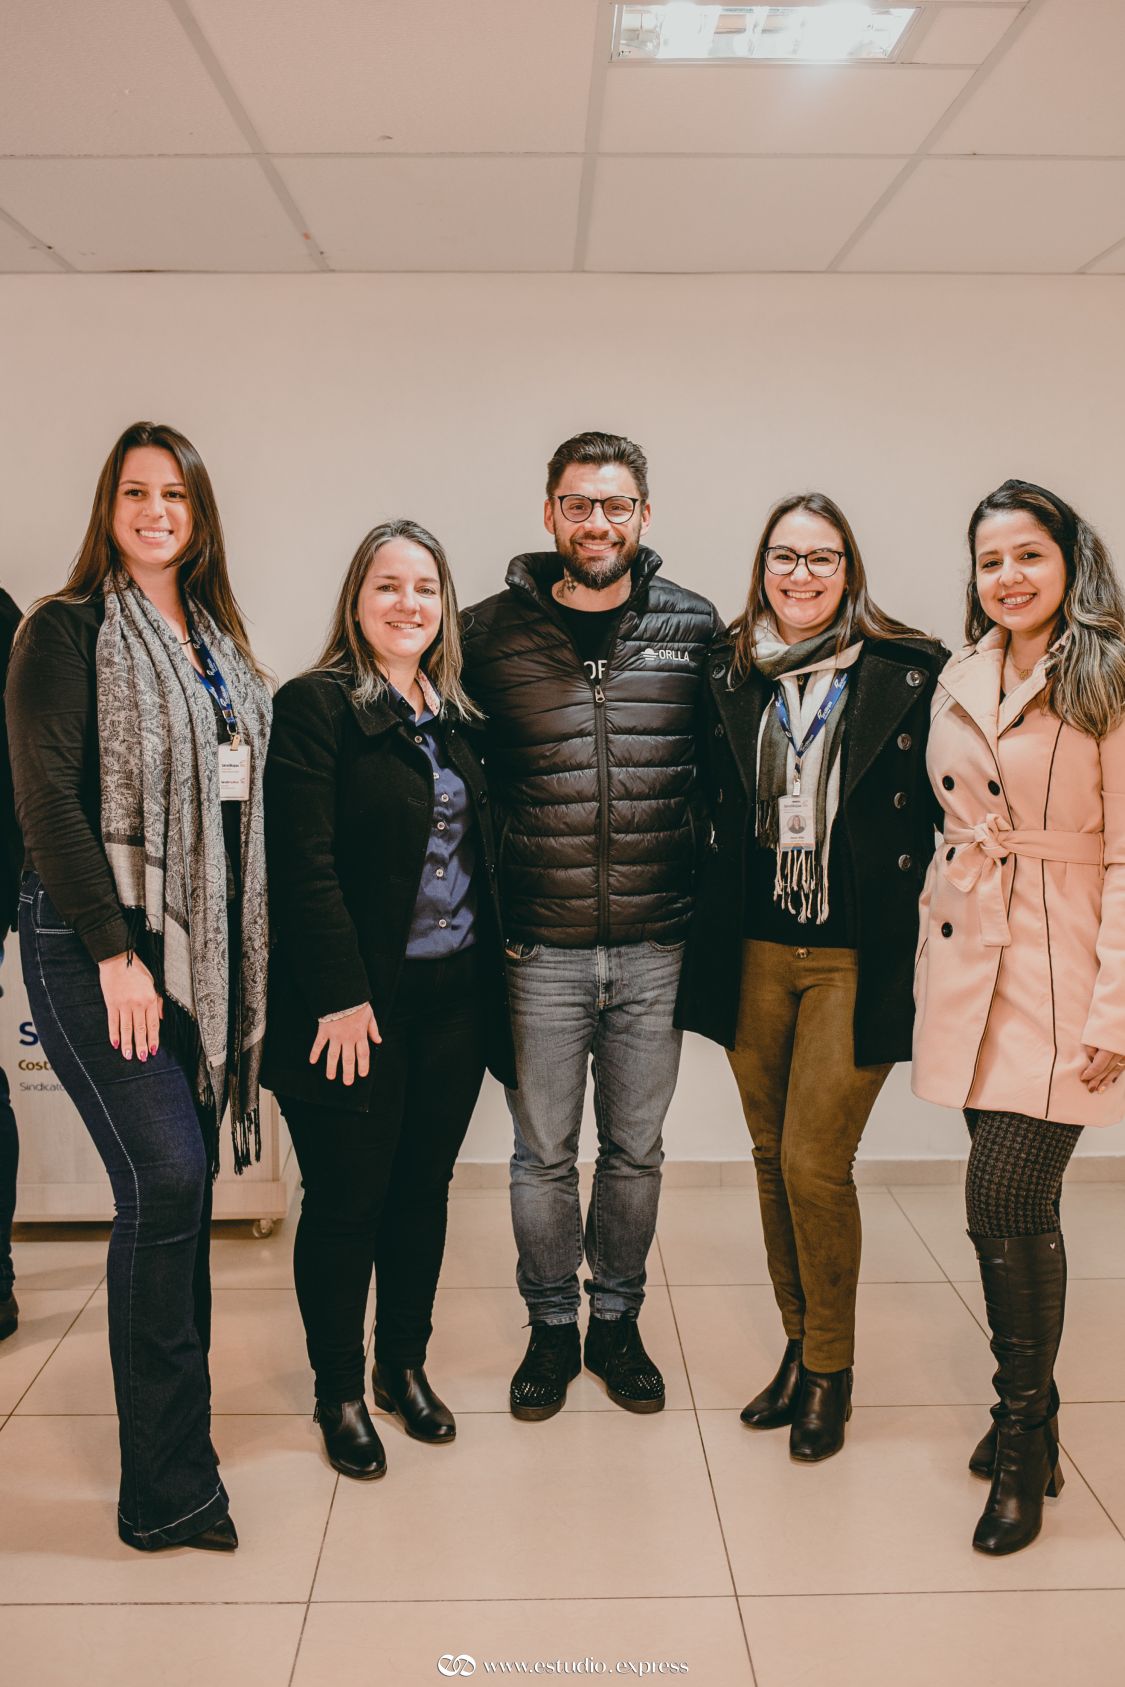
(593,632)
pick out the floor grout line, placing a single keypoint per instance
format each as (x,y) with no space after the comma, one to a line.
(710,1477)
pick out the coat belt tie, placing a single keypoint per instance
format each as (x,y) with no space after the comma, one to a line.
(981,850)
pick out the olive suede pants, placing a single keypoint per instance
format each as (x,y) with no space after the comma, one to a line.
(806,1104)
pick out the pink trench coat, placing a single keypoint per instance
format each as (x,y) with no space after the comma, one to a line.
(1021,953)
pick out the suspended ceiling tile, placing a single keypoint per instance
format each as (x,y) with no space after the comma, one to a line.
(440,213)
(1057,89)
(729,214)
(153,213)
(20,255)
(773,108)
(124,78)
(964,34)
(997,216)
(381,76)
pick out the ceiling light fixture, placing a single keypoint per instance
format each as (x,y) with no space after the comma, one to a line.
(680,31)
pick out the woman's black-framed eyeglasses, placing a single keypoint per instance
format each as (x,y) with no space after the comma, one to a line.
(618,508)
(821,564)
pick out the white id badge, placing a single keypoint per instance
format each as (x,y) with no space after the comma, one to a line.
(796,822)
(234,773)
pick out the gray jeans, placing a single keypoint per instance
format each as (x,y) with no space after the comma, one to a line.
(609,1010)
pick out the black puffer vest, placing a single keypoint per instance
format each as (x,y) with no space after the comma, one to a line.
(595,784)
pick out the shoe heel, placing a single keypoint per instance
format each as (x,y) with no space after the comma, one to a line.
(383,1401)
(1055,1484)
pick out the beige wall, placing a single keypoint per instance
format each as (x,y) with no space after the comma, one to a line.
(323,404)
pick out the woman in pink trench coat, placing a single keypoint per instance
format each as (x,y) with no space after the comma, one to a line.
(1020,979)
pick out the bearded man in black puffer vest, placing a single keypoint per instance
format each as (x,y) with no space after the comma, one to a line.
(589,669)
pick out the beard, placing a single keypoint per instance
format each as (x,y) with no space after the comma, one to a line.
(597,573)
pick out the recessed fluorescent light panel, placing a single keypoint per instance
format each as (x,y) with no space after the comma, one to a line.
(833,33)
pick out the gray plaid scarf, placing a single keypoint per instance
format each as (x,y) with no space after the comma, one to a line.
(801,875)
(162,831)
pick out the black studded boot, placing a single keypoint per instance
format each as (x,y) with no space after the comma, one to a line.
(1024,1280)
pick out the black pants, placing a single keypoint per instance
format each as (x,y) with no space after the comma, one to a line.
(376,1183)
(9,1165)
(145,1126)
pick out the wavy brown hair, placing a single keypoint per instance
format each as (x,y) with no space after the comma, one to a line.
(861,618)
(1086,673)
(348,654)
(203,564)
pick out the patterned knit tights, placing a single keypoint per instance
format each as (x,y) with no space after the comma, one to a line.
(1015,1173)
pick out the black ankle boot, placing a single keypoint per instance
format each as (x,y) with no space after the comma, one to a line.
(1024,1287)
(9,1316)
(775,1405)
(615,1352)
(350,1440)
(405,1391)
(553,1359)
(824,1405)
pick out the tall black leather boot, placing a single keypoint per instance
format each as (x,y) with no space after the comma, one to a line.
(983,1459)
(1024,1280)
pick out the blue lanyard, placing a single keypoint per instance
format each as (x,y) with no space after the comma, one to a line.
(216,685)
(820,719)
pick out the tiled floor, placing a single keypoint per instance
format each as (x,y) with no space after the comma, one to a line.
(598,1537)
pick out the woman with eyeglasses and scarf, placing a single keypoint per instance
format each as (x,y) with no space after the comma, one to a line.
(138,723)
(800,953)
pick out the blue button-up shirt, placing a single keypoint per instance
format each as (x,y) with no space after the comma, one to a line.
(445,912)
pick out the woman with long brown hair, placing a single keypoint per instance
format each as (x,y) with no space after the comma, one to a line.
(1021,965)
(387,993)
(800,953)
(138,723)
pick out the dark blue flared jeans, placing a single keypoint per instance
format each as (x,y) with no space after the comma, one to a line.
(145,1126)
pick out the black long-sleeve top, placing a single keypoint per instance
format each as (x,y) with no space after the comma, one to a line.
(52,710)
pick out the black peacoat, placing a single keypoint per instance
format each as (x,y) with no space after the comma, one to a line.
(349,807)
(890,813)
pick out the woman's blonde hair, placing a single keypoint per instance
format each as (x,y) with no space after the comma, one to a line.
(348,654)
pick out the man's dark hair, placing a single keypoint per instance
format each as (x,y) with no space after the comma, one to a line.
(598,448)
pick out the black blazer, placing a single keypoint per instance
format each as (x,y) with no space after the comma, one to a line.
(349,805)
(890,813)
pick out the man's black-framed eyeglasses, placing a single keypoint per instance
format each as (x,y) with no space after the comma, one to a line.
(780,559)
(617,508)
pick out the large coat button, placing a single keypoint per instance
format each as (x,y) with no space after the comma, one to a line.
(947,930)
(994,787)
(904,740)
(915,677)
(905,862)
(900,799)
(947,781)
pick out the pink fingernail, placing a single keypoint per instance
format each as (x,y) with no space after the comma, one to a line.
(128,1053)
(153,1048)
(116,1042)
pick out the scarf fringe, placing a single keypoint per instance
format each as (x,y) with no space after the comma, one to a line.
(801,885)
(247,1134)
